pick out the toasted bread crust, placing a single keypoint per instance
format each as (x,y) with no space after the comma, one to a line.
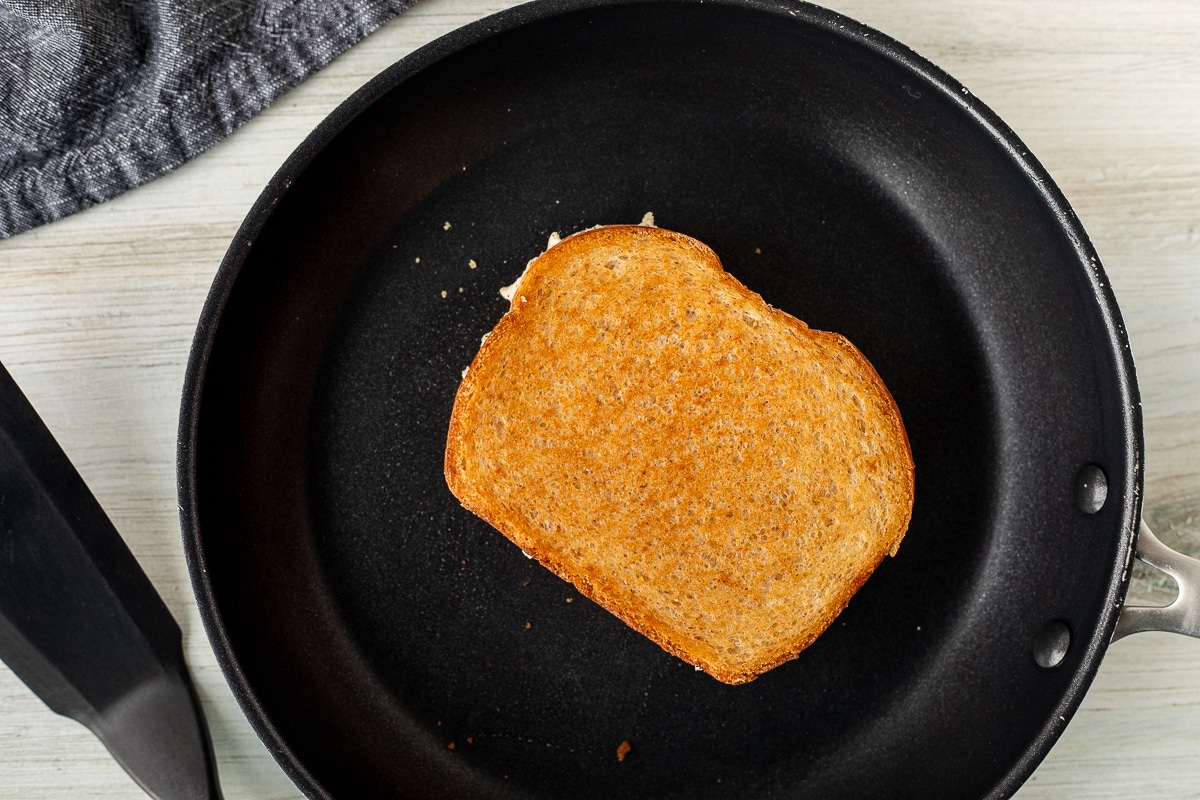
(594,429)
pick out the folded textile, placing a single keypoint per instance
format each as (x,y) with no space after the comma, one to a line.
(100,96)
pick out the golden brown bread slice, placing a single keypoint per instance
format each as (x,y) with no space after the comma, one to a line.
(706,467)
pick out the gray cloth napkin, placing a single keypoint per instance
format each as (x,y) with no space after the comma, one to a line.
(100,96)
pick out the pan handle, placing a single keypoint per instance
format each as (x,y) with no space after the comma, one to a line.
(1183,614)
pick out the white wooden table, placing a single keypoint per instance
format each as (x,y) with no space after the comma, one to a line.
(97,313)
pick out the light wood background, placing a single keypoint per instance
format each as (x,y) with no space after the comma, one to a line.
(97,313)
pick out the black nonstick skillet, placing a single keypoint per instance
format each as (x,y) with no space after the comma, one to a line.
(386,643)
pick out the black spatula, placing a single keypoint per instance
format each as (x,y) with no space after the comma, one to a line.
(80,622)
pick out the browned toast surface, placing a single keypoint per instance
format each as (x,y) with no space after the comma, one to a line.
(706,467)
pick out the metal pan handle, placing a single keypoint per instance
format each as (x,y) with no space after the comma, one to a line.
(1183,614)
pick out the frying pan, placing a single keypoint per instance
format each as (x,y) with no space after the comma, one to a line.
(386,643)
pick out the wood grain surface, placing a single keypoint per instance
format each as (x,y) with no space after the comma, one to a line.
(97,313)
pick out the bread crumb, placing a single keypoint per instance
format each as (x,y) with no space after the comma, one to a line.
(470,740)
(417,260)
(570,599)
(450,746)
(443,292)
(446,225)
(758,251)
(460,290)
(528,625)
(648,220)
(471,263)
(524,299)
(623,750)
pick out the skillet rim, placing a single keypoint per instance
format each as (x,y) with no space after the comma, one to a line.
(474,33)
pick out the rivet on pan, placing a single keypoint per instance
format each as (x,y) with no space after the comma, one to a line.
(1051,644)
(1091,489)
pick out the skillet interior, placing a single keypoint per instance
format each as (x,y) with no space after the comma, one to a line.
(366,621)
